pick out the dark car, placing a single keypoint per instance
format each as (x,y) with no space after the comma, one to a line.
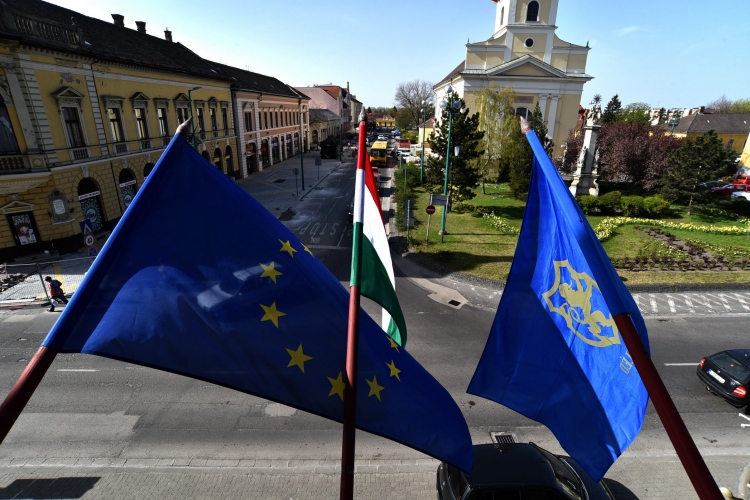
(351,211)
(727,374)
(518,471)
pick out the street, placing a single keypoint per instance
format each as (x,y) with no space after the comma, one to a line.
(118,430)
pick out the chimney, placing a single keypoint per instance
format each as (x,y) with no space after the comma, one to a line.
(167,35)
(119,20)
(141,26)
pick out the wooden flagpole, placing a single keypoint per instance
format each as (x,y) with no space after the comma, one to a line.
(683,443)
(346,491)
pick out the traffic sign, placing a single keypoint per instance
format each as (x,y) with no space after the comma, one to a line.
(86,226)
(89,240)
(93,252)
(430,210)
(439,199)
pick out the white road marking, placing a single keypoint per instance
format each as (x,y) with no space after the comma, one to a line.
(691,309)
(652,299)
(670,301)
(76,370)
(723,298)
(742,302)
(680,364)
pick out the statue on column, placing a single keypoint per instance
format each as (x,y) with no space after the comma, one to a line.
(587,169)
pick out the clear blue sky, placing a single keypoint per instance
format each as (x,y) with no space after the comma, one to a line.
(668,53)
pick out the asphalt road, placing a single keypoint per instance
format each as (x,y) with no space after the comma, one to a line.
(93,410)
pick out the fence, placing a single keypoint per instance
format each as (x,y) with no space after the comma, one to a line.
(21,283)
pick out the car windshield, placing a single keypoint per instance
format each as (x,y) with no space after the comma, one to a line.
(732,366)
(566,477)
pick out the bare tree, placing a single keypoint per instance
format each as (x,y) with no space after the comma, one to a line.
(722,104)
(409,97)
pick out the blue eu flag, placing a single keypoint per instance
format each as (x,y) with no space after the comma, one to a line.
(554,353)
(200,280)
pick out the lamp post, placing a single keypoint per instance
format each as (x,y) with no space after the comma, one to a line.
(675,119)
(301,160)
(190,103)
(452,106)
(424,134)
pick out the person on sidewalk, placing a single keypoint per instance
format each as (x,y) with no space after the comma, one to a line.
(56,293)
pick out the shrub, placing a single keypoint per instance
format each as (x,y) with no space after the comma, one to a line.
(632,206)
(655,206)
(589,204)
(610,203)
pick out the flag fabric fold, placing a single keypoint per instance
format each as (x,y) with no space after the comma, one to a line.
(554,353)
(377,281)
(199,279)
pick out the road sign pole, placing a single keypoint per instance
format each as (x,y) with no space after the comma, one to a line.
(427,238)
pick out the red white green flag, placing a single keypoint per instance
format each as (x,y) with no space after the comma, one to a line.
(376,278)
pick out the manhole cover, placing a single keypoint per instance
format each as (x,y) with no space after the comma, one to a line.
(454,303)
(279,180)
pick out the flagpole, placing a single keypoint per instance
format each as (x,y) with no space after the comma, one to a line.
(24,388)
(683,443)
(346,491)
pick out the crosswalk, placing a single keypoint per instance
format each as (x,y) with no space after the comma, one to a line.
(693,303)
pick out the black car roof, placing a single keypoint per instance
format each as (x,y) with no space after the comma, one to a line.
(510,464)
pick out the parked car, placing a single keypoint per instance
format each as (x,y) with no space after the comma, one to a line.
(731,188)
(741,194)
(350,209)
(727,374)
(518,471)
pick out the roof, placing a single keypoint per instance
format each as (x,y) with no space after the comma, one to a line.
(100,39)
(255,82)
(508,464)
(430,123)
(458,69)
(722,123)
(323,115)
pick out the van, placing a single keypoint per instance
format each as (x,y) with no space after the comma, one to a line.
(404,143)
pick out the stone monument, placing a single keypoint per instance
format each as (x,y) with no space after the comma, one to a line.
(587,167)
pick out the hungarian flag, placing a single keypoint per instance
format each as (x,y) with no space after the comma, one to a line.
(377,281)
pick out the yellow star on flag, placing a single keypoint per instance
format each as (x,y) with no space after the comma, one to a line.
(375,388)
(394,371)
(270,271)
(287,247)
(298,358)
(337,386)
(394,344)
(272,313)
(307,250)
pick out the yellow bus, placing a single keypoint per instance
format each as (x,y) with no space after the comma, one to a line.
(378,154)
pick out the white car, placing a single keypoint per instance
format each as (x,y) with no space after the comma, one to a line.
(742,194)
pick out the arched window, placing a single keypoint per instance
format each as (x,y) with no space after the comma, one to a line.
(127,186)
(86,186)
(502,16)
(523,112)
(532,11)
(217,158)
(228,161)
(91,206)
(204,154)
(147,169)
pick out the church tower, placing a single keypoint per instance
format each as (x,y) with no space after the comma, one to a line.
(525,53)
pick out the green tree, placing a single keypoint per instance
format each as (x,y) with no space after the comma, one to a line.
(740,106)
(612,111)
(492,103)
(662,116)
(636,112)
(465,133)
(519,155)
(404,119)
(695,163)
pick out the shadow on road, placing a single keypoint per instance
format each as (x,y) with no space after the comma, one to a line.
(58,488)
(619,490)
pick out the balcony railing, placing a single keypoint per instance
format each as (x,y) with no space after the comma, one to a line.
(13,164)
(146,144)
(121,147)
(80,154)
(46,29)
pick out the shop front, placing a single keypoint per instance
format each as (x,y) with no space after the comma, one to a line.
(265,153)
(289,145)
(91,204)
(275,151)
(128,186)
(251,160)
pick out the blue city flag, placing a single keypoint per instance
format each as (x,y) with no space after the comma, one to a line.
(554,353)
(200,280)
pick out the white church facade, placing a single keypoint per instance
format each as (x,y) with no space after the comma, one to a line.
(525,54)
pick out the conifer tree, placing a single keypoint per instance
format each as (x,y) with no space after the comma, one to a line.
(519,154)
(612,111)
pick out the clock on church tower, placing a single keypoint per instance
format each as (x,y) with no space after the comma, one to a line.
(525,53)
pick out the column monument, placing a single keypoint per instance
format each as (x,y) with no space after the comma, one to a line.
(587,168)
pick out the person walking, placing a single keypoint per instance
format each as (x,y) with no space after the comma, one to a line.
(56,293)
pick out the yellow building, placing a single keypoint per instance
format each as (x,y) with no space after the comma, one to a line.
(745,160)
(386,121)
(87,109)
(525,53)
(732,128)
(425,130)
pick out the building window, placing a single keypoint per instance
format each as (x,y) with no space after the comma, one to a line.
(523,112)
(265,119)
(277,118)
(161,114)
(115,124)
(225,121)
(73,126)
(141,126)
(214,124)
(182,115)
(8,143)
(248,122)
(502,16)
(201,123)
(529,42)
(532,12)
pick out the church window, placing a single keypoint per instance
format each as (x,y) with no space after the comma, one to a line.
(523,112)
(529,42)
(502,16)
(532,11)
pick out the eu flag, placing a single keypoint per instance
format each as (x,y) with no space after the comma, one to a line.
(554,353)
(200,280)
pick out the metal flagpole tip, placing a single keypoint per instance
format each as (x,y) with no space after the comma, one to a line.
(525,127)
(362,115)
(184,128)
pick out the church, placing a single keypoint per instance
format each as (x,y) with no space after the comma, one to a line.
(525,53)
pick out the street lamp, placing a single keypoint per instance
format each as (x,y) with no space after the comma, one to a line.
(675,119)
(190,103)
(424,134)
(452,106)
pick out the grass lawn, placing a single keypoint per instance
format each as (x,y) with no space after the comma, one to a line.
(473,246)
